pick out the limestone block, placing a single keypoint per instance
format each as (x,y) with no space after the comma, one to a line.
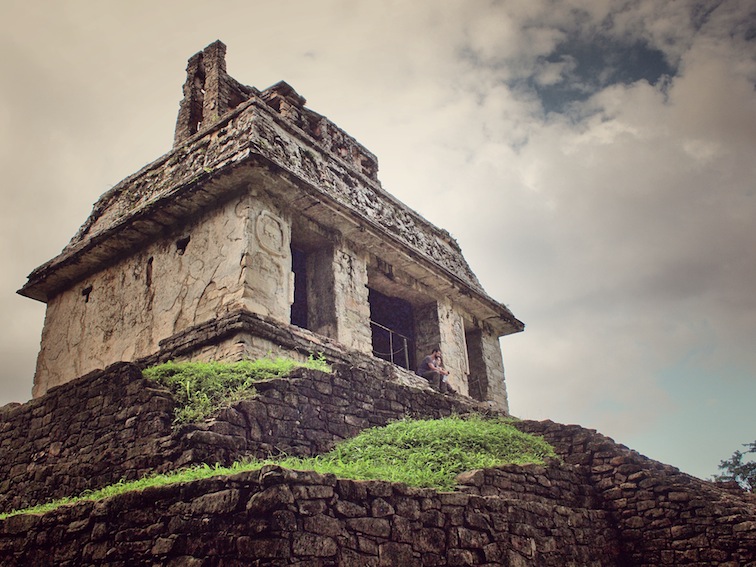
(497,387)
(440,324)
(452,343)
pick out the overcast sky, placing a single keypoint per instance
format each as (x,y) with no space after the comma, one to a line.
(595,159)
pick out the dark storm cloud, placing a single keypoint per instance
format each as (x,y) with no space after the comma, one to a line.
(589,66)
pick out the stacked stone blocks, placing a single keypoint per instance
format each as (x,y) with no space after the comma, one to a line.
(601,504)
(115,424)
(280,517)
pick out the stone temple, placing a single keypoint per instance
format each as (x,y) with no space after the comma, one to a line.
(263,231)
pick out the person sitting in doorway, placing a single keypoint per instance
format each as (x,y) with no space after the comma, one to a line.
(432,369)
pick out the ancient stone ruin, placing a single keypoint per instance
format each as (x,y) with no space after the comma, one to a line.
(263,215)
(265,230)
(599,505)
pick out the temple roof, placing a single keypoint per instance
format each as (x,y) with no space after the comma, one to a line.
(230,137)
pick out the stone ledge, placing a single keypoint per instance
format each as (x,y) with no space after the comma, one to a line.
(290,337)
(277,516)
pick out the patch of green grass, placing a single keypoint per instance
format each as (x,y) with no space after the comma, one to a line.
(425,453)
(428,453)
(174,477)
(201,389)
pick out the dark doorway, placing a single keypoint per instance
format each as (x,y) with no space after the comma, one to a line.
(299,307)
(477,381)
(392,328)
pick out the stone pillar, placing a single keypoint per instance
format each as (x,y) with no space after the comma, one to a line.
(492,359)
(486,379)
(350,292)
(427,335)
(321,301)
(266,263)
(477,380)
(438,324)
(215,103)
(206,91)
(452,330)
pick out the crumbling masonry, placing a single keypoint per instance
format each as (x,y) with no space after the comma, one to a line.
(264,219)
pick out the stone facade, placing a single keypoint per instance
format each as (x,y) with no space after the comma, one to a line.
(89,326)
(662,516)
(265,230)
(268,207)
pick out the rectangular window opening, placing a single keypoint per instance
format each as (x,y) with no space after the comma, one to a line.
(299,306)
(392,329)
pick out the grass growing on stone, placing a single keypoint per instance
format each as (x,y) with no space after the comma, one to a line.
(204,388)
(428,453)
(183,475)
(424,453)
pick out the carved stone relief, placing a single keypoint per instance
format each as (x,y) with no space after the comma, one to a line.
(270,233)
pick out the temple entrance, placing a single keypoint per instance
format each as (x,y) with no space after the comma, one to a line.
(477,380)
(299,307)
(313,306)
(392,329)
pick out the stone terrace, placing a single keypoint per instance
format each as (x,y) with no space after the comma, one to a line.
(602,504)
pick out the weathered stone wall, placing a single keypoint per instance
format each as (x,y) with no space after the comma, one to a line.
(123,311)
(206,230)
(355,193)
(320,271)
(492,372)
(236,257)
(114,424)
(84,434)
(282,98)
(244,335)
(663,516)
(209,92)
(427,329)
(605,505)
(452,343)
(281,517)
(266,260)
(441,323)
(254,141)
(256,127)
(126,311)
